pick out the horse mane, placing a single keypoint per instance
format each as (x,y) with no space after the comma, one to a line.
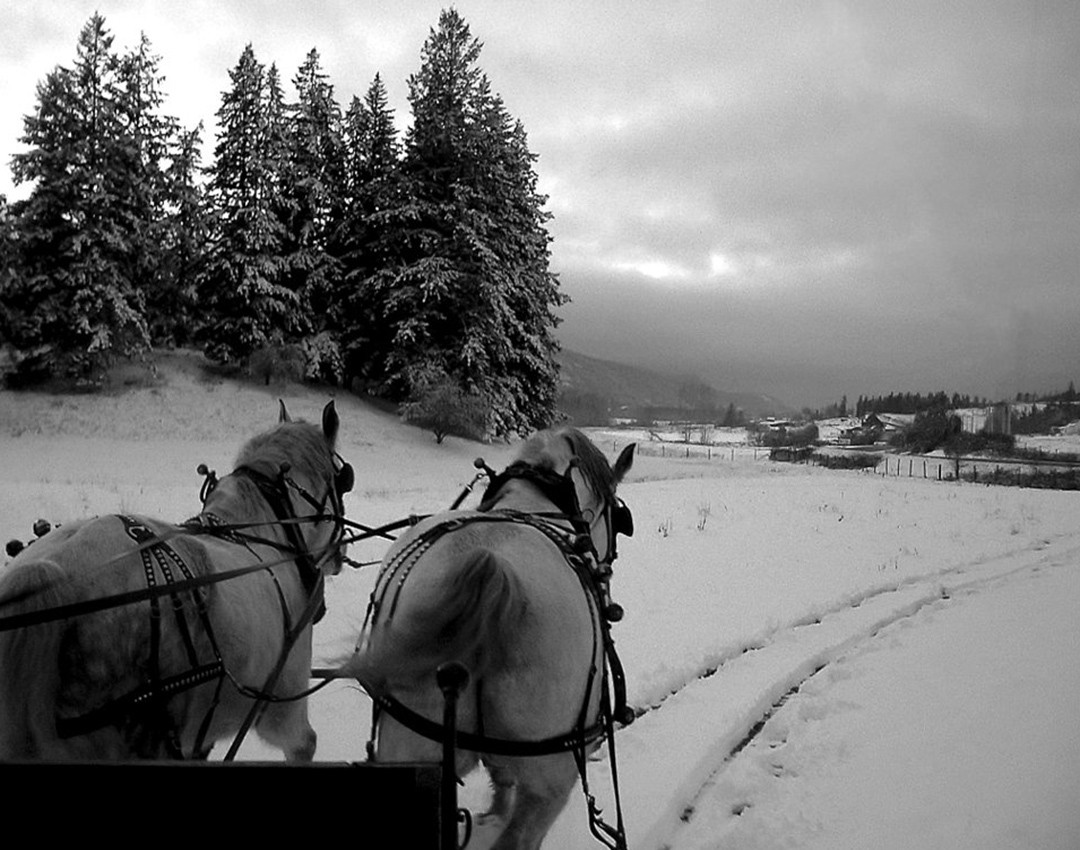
(299,444)
(591,462)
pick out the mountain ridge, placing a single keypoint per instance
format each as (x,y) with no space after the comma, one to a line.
(633,388)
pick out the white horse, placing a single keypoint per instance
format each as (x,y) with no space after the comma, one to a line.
(497,590)
(181,666)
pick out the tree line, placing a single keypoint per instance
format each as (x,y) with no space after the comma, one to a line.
(919,403)
(407,267)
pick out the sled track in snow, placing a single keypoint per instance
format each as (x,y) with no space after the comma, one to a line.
(803,649)
(937,580)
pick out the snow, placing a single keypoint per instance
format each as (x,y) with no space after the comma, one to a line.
(1068,442)
(823,658)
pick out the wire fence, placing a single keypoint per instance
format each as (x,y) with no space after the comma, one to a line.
(987,471)
(691,451)
(979,470)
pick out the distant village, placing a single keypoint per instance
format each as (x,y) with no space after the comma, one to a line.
(867,425)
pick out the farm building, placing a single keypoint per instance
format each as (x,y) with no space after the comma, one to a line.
(994,419)
(887,423)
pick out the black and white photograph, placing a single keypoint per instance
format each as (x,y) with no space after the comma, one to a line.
(566,425)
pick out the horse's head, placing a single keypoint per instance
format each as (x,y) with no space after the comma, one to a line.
(300,474)
(567,454)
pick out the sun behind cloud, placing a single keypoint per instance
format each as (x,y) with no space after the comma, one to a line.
(721,265)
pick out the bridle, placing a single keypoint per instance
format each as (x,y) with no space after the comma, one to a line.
(275,490)
(617,520)
(561,491)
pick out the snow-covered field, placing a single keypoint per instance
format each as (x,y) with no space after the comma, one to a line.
(824,659)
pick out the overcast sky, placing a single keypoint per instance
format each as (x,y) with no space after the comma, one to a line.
(807,199)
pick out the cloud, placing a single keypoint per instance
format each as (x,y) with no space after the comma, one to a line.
(800,198)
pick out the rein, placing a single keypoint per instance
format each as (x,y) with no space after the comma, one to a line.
(275,492)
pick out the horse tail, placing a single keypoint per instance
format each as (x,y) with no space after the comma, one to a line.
(472,619)
(30,660)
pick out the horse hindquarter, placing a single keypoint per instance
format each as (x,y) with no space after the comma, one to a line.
(29,661)
(503,602)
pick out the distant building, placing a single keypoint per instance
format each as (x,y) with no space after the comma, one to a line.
(888,423)
(995,419)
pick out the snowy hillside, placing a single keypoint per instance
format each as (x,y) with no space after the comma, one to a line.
(819,658)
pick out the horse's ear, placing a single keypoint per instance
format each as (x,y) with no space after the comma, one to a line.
(625,461)
(283,414)
(330,422)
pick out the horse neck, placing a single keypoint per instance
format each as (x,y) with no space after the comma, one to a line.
(238,500)
(521,494)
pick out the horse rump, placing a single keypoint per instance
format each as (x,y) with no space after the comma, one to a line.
(470,615)
(30,660)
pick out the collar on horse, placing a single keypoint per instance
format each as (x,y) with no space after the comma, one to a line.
(558,489)
(562,493)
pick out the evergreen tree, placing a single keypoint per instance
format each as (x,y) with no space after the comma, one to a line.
(172,305)
(77,298)
(315,194)
(159,156)
(470,294)
(243,283)
(368,239)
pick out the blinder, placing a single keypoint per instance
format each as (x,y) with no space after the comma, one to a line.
(344,478)
(622,521)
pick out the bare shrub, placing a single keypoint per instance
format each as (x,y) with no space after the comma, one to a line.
(438,404)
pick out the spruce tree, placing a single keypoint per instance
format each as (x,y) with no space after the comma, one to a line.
(469,292)
(368,238)
(77,299)
(158,156)
(172,307)
(243,285)
(315,194)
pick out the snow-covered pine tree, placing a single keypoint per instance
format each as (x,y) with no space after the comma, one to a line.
(156,145)
(76,299)
(470,292)
(242,288)
(515,343)
(314,191)
(370,234)
(173,309)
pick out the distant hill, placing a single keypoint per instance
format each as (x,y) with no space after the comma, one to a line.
(633,388)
